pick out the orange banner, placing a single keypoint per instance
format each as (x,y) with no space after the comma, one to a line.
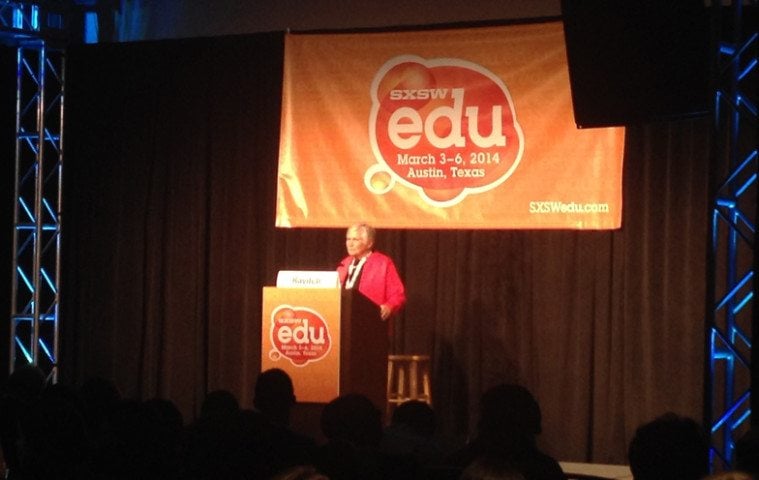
(462,128)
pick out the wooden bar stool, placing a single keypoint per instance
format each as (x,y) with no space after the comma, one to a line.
(408,378)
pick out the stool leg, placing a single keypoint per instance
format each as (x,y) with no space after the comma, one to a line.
(389,378)
(413,385)
(401,383)
(390,395)
(426,386)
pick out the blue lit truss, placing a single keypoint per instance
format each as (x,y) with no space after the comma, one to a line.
(36,32)
(732,324)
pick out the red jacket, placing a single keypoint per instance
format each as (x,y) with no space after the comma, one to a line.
(379,280)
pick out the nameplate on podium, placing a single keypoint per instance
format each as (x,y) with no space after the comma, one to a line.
(307,279)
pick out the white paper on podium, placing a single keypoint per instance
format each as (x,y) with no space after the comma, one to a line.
(307,279)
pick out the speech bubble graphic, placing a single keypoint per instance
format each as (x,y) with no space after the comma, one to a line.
(445,127)
(299,334)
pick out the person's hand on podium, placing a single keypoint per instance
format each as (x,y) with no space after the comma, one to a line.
(385,311)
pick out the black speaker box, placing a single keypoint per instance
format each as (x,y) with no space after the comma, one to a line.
(636,61)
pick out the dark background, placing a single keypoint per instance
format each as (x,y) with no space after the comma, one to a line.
(170,178)
(170,195)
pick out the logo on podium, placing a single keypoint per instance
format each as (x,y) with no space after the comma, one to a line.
(299,334)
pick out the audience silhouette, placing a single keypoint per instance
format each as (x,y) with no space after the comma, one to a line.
(412,433)
(100,398)
(22,389)
(219,404)
(509,422)
(94,433)
(352,426)
(227,442)
(274,396)
(215,442)
(55,444)
(491,467)
(58,432)
(671,447)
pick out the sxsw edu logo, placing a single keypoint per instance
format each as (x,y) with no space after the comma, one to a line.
(299,334)
(444,127)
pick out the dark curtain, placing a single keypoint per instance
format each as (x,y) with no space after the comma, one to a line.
(170,186)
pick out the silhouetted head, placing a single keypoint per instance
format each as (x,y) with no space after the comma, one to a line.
(219,403)
(274,395)
(671,447)
(352,418)
(491,467)
(164,413)
(55,440)
(26,382)
(511,410)
(98,392)
(416,415)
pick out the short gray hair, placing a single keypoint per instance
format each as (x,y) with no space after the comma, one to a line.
(371,232)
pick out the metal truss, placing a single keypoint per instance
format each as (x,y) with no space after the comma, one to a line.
(34,322)
(33,20)
(732,316)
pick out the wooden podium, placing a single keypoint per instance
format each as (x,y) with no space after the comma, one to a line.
(330,341)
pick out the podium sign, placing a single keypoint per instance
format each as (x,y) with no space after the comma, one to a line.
(330,341)
(307,279)
(300,334)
